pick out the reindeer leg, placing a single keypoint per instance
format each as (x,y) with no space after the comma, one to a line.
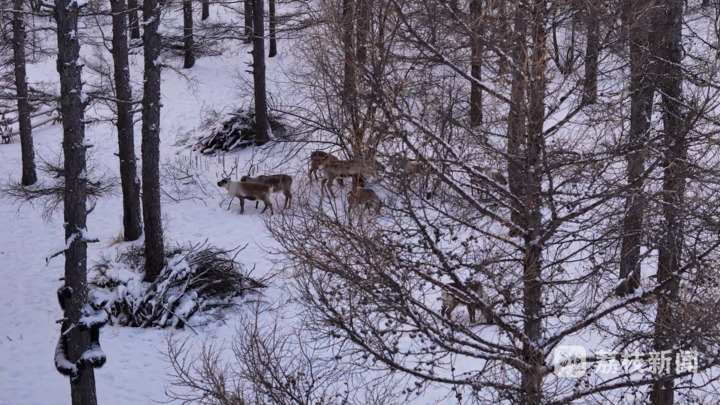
(329,185)
(242,205)
(288,198)
(230,203)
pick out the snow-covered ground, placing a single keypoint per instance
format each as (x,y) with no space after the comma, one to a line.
(136,370)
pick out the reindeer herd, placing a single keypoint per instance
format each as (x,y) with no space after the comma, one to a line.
(361,197)
(261,187)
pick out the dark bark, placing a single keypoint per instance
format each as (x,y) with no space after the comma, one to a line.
(260,89)
(188,39)
(29,176)
(349,92)
(272,23)
(154,246)
(641,96)
(248,21)
(134,19)
(669,84)
(516,120)
(364,16)
(132,221)
(71,106)
(592,52)
(532,210)
(205,10)
(476,51)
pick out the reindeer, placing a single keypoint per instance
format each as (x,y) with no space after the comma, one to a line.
(455,294)
(276,182)
(364,197)
(347,168)
(247,191)
(318,159)
(415,168)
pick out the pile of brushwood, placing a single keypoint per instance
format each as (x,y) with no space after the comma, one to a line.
(194,287)
(235,131)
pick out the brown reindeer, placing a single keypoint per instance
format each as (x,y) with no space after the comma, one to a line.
(362,197)
(455,294)
(277,183)
(247,191)
(317,159)
(348,168)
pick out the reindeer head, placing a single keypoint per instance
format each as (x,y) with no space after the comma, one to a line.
(224,182)
(244,178)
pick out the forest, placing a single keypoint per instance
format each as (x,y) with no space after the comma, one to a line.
(456,201)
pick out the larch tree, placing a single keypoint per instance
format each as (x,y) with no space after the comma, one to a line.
(134,19)
(78,350)
(272,27)
(154,244)
(132,218)
(259,85)
(188,39)
(531,204)
(637,21)
(29,176)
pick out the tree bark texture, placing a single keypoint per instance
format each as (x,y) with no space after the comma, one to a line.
(29,176)
(248,20)
(641,97)
(154,246)
(188,39)
(667,36)
(516,127)
(592,52)
(134,19)
(532,209)
(261,117)
(71,106)
(476,51)
(132,221)
(273,27)
(205,10)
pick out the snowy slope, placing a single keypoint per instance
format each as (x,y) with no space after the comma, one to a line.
(136,369)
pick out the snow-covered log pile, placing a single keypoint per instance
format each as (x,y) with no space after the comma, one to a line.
(195,285)
(235,131)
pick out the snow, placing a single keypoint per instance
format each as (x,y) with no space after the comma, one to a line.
(136,371)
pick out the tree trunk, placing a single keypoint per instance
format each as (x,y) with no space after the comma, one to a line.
(261,117)
(132,221)
(205,10)
(641,97)
(272,22)
(248,21)
(476,51)
(134,20)
(532,210)
(154,246)
(71,106)
(26,142)
(188,40)
(364,16)
(516,129)
(669,73)
(592,53)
